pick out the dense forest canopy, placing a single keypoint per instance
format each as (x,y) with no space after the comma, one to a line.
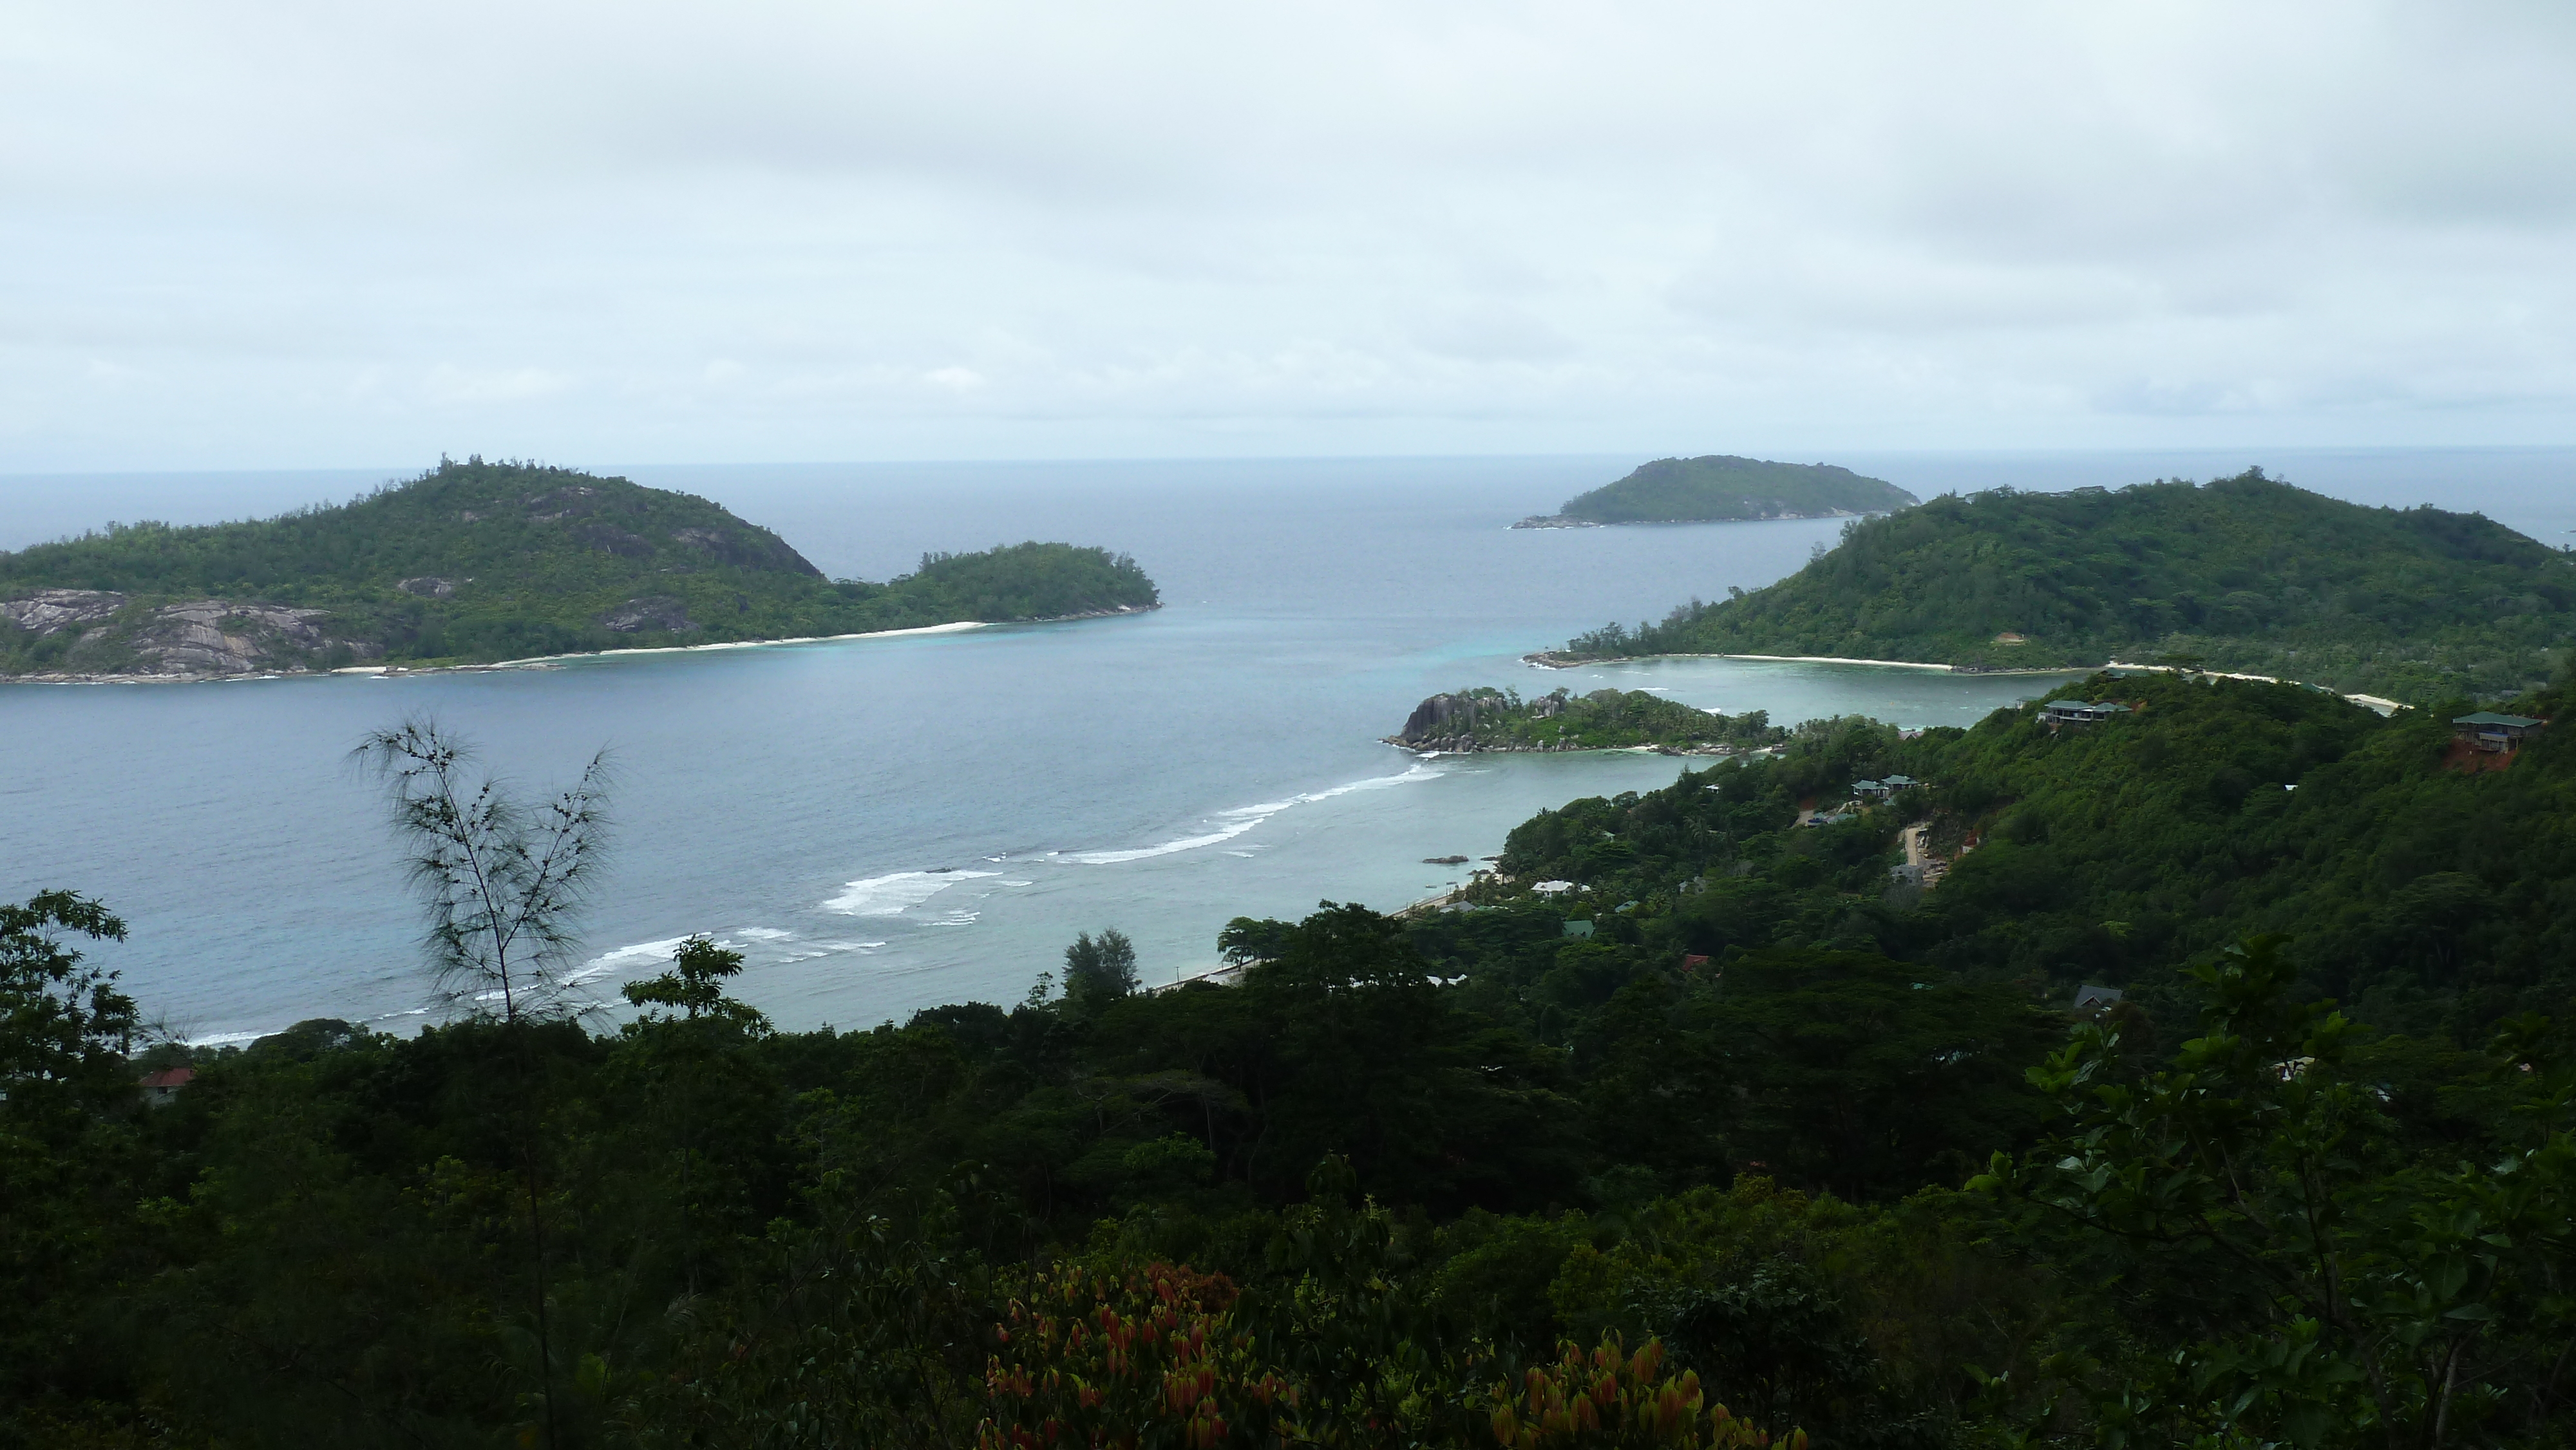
(1692,1105)
(2245,573)
(1721,487)
(482,561)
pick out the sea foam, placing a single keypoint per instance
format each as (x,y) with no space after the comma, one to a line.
(891,894)
(1234,822)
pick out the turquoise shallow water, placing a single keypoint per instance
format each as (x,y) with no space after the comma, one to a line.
(886,824)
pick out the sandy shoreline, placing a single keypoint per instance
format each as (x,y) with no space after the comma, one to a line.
(2379,703)
(547,662)
(1548,660)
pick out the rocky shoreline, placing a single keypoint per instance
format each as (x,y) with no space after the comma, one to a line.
(1486,721)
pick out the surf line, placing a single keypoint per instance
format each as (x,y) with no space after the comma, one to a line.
(1243,818)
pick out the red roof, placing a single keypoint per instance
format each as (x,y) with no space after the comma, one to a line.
(173,1077)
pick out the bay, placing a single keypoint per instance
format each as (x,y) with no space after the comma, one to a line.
(886,824)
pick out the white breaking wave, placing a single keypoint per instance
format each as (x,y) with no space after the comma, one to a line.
(1243,818)
(626,959)
(889,895)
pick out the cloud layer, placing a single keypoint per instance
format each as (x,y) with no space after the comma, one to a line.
(283,232)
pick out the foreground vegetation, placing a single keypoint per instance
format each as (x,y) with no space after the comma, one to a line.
(1780,1132)
(2245,574)
(480,561)
(1722,488)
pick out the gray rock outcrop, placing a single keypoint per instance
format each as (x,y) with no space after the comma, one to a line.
(657,612)
(192,640)
(220,637)
(48,610)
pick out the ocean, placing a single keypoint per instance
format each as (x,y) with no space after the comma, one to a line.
(887,824)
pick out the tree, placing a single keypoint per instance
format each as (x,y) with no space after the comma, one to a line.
(2324,1290)
(686,1061)
(501,885)
(1099,970)
(66,1107)
(64,1027)
(695,985)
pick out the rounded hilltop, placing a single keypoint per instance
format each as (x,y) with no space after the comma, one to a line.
(1722,488)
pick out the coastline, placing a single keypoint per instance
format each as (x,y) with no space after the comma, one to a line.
(2380,703)
(1550,660)
(555,661)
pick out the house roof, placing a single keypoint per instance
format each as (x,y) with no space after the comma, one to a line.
(171,1077)
(2068,705)
(2489,717)
(1898,780)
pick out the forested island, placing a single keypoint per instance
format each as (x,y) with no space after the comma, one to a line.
(478,562)
(1721,488)
(2239,574)
(2191,1072)
(1466,721)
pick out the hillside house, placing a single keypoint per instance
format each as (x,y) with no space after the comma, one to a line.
(1579,930)
(2487,730)
(1869,790)
(2059,713)
(2089,998)
(162,1088)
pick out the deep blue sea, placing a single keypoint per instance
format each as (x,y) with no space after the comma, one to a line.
(882,825)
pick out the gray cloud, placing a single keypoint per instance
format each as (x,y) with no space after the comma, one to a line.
(289,232)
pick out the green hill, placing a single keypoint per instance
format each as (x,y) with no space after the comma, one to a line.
(480,561)
(2244,573)
(1721,488)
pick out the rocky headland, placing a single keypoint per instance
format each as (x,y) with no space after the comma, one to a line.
(1486,719)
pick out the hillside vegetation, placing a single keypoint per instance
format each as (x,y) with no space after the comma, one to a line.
(483,561)
(1733,1135)
(2426,896)
(1721,488)
(2244,574)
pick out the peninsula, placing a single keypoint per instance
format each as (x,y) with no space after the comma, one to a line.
(2239,574)
(1487,719)
(1725,489)
(477,562)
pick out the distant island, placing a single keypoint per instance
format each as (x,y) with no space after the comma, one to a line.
(478,562)
(1487,719)
(2244,573)
(1724,489)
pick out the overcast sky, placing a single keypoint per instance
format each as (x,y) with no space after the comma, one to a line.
(268,234)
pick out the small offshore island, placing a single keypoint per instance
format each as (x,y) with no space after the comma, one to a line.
(2242,574)
(475,563)
(1721,488)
